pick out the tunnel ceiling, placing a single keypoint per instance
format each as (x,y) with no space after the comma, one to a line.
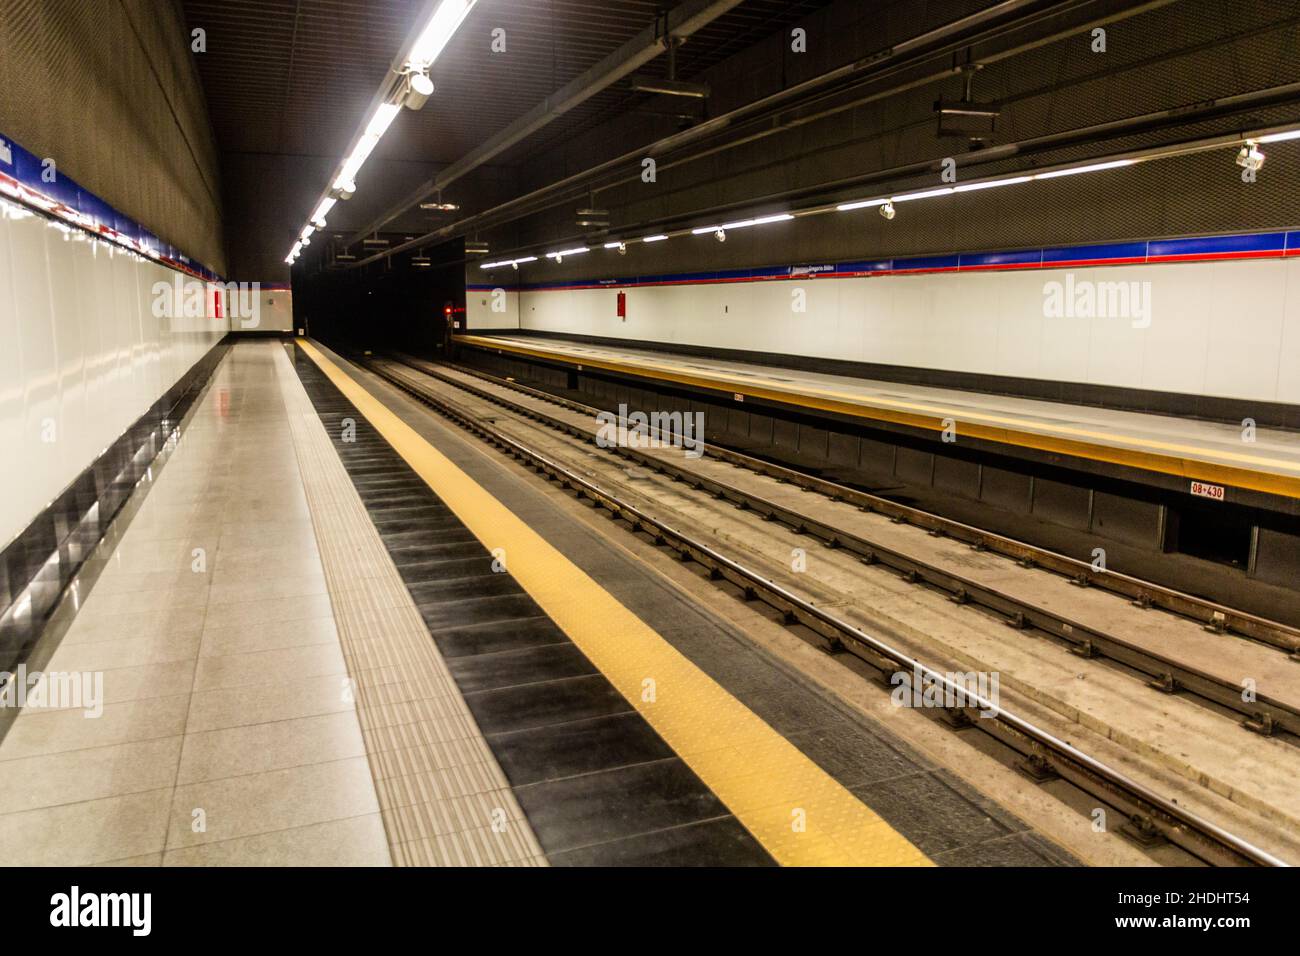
(288,82)
(293,78)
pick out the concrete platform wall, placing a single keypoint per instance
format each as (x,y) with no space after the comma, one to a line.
(1227,329)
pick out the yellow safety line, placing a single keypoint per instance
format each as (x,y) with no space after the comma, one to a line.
(915,415)
(797,811)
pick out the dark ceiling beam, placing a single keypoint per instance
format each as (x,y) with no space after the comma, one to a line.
(682,21)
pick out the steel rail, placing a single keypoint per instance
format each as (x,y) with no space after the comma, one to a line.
(1262,714)
(1149,813)
(1214,616)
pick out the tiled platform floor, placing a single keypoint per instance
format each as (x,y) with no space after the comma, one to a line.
(229,732)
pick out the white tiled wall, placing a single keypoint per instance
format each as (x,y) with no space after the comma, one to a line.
(82,355)
(491,309)
(275,311)
(1229,329)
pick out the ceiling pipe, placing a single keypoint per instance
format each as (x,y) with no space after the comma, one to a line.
(681,22)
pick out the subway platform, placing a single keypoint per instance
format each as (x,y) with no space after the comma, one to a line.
(330,630)
(1159,444)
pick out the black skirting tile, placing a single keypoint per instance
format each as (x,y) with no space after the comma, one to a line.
(711,843)
(534,630)
(532,665)
(461,588)
(414,571)
(424,537)
(484,610)
(538,705)
(578,747)
(596,808)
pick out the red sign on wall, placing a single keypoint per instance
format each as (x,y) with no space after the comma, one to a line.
(622,305)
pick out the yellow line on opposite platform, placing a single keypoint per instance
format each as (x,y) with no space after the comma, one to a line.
(1151,454)
(797,811)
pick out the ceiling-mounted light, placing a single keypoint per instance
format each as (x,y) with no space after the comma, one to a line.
(385,113)
(1251,157)
(926,194)
(508,262)
(418,90)
(659,238)
(743,223)
(575,251)
(669,87)
(440,28)
(1075,170)
(307,231)
(863,204)
(612,245)
(323,209)
(990,184)
(1278,137)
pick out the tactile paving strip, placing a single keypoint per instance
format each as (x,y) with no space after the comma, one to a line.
(442,796)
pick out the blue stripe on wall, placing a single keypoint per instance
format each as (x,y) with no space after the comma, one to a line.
(18,167)
(1206,248)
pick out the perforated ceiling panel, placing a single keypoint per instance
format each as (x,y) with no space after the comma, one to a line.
(108,90)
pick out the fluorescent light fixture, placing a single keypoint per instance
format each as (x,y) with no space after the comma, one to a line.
(906,197)
(1114,164)
(441,27)
(378,125)
(659,238)
(760,221)
(307,231)
(612,245)
(508,262)
(743,223)
(323,209)
(577,250)
(863,204)
(972,187)
(1277,137)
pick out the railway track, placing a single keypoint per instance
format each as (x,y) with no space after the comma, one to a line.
(1151,816)
(1164,672)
